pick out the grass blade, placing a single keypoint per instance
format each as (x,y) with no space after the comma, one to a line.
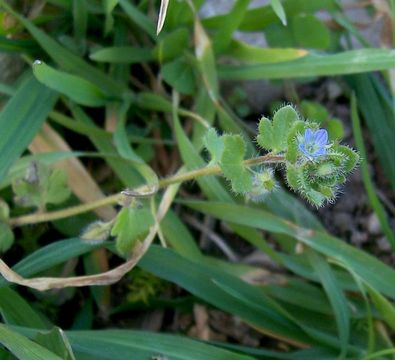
(22,347)
(336,298)
(20,120)
(371,270)
(369,186)
(347,62)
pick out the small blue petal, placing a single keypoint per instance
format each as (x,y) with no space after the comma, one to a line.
(308,135)
(321,136)
(321,151)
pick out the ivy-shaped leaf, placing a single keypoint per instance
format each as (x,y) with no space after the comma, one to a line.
(57,189)
(282,122)
(131,225)
(214,144)
(273,135)
(41,186)
(232,163)
(265,134)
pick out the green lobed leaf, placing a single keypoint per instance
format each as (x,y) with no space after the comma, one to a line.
(232,163)
(310,32)
(214,144)
(283,120)
(130,226)
(265,134)
(172,45)
(180,75)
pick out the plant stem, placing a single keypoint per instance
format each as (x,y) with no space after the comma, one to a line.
(116,198)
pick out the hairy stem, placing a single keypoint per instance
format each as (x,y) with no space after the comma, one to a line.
(114,199)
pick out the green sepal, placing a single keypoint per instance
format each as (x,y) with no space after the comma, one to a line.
(232,163)
(131,225)
(351,157)
(293,177)
(97,232)
(315,197)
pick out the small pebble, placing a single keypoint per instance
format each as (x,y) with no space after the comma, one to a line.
(383,244)
(373,224)
(359,238)
(343,221)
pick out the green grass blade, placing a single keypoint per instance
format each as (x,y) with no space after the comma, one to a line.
(369,186)
(122,55)
(247,53)
(371,270)
(20,120)
(259,18)
(66,59)
(336,298)
(120,344)
(76,88)
(347,62)
(22,347)
(139,18)
(80,21)
(15,310)
(235,16)
(379,118)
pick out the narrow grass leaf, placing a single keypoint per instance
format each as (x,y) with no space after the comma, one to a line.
(379,118)
(76,88)
(15,310)
(260,17)
(119,344)
(20,120)
(122,55)
(347,62)
(247,53)
(66,59)
(336,297)
(369,186)
(22,347)
(235,16)
(371,270)
(80,21)
(139,18)
(279,10)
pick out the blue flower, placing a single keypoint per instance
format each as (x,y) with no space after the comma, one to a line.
(313,144)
